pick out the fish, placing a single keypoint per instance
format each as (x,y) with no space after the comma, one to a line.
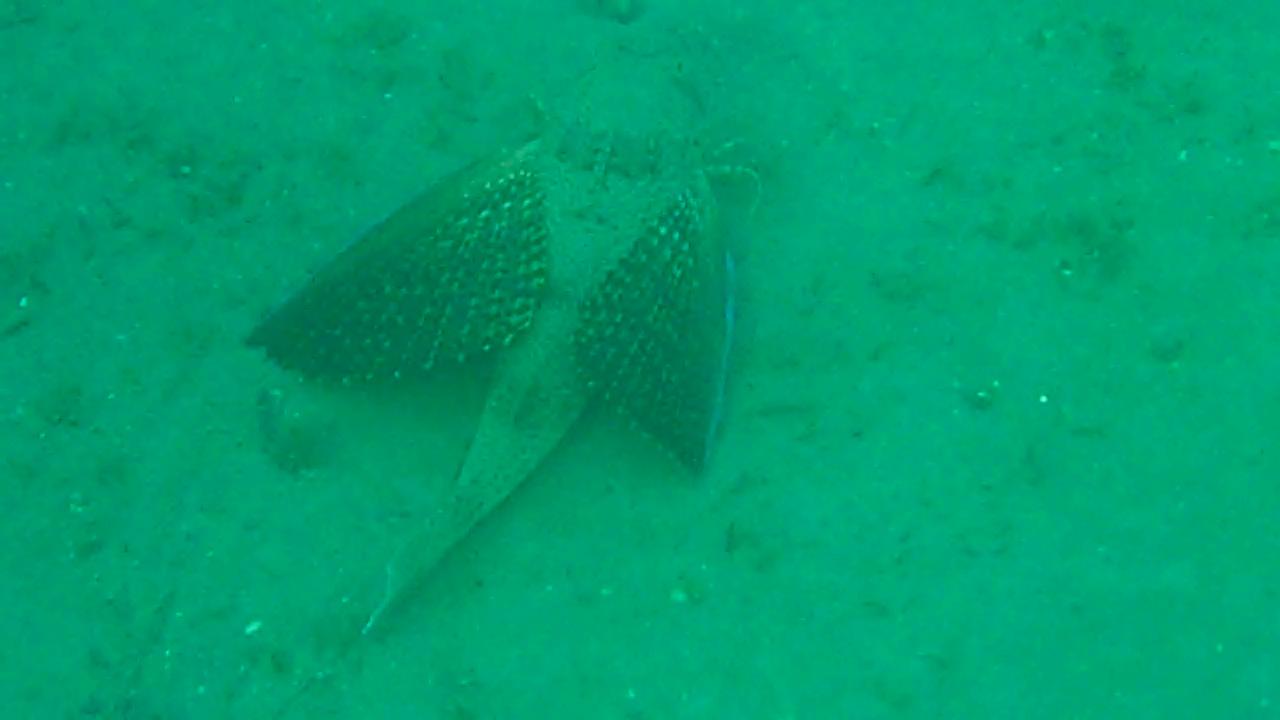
(575,293)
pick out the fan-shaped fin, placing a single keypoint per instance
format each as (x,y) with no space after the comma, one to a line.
(456,272)
(653,336)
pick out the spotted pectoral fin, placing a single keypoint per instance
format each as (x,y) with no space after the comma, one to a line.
(653,337)
(457,271)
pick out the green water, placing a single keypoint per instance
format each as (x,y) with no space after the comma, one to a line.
(998,438)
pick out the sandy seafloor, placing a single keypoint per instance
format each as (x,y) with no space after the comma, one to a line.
(1001,432)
